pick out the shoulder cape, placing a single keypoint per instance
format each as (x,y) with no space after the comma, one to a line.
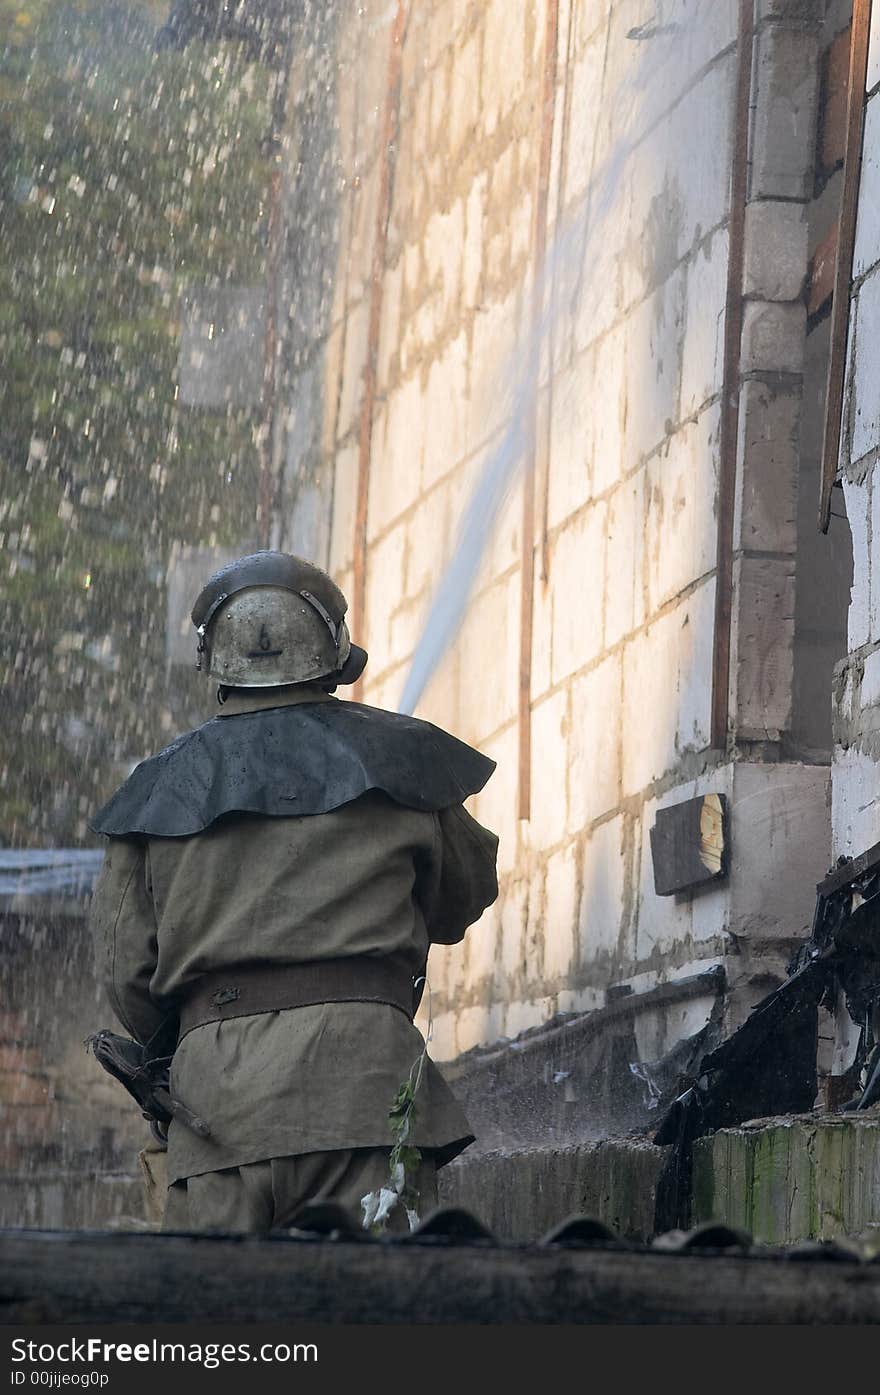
(287,761)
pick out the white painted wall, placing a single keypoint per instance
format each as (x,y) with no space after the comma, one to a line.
(630,402)
(856,773)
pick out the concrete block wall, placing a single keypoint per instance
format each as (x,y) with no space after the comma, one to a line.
(623,621)
(856,772)
(812,1177)
(69,1133)
(628,417)
(521,1196)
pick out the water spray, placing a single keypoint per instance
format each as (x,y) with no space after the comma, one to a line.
(570,251)
(504,462)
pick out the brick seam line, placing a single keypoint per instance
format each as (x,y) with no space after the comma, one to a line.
(542,198)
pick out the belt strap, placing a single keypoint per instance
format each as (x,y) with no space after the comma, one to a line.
(249,989)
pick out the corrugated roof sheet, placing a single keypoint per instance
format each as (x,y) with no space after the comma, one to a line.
(455,1225)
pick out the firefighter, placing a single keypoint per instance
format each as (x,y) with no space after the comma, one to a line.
(271,885)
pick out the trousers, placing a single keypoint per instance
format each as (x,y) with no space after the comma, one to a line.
(262,1196)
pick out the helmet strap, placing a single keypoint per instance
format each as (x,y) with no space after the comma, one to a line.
(324,614)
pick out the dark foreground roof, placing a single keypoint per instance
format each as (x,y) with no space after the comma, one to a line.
(448,1271)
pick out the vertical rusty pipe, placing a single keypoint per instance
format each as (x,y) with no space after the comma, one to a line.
(539,242)
(733,320)
(390,131)
(542,460)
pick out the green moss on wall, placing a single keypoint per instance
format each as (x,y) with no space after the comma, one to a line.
(795,1179)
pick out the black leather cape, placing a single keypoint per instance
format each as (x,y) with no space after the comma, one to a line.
(285,761)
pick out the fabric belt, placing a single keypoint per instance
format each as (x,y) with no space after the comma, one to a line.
(247,990)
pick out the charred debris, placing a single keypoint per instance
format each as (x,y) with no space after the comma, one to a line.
(768,1066)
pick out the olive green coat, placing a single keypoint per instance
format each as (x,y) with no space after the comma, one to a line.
(371,878)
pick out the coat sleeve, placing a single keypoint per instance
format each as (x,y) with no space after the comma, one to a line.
(124,928)
(466,882)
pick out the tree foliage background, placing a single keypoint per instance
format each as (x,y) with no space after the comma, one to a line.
(128,172)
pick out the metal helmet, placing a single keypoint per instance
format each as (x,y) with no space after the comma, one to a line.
(270,619)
